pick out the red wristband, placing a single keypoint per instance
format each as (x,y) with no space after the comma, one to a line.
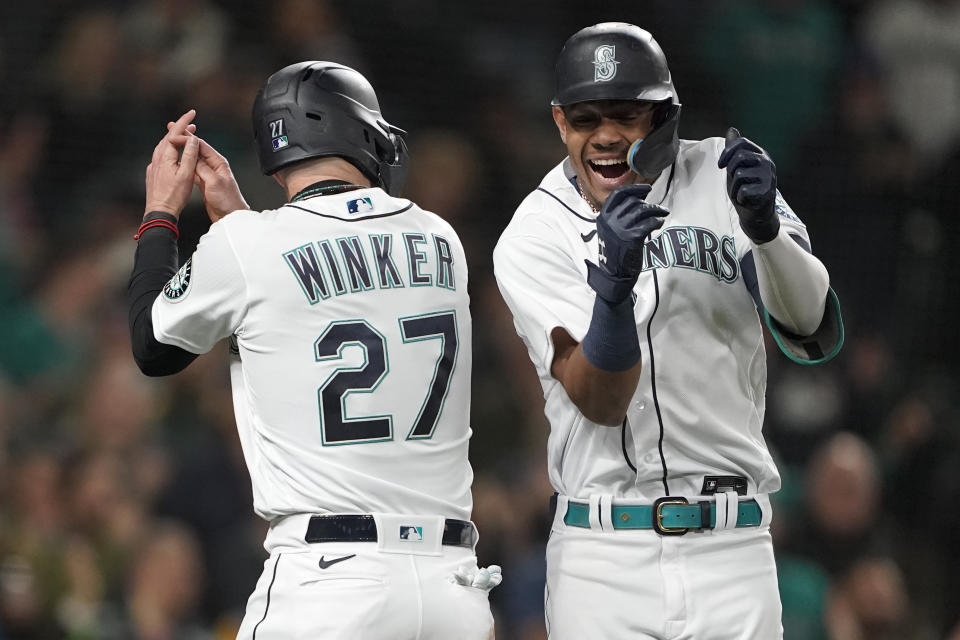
(165,222)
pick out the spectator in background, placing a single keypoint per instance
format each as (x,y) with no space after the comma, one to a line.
(870,602)
(921,450)
(775,60)
(804,587)
(164,586)
(209,489)
(83,89)
(31,539)
(855,179)
(311,30)
(185,39)
(842,521)
(918,42)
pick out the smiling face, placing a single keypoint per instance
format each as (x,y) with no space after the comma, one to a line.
(598,134)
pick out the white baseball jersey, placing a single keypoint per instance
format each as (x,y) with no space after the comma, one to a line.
(351,351)
(698,408)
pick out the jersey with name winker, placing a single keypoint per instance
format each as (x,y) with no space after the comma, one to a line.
(350,345)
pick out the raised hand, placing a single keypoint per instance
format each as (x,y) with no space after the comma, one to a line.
(169,176)
(623,225)
(219,188)
(752,186)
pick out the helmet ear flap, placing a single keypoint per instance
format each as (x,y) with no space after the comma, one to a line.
(400,144)
(395,149)
(394,168)
(661,113)
(388,152)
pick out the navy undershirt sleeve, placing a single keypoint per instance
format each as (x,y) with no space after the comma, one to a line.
(154,264)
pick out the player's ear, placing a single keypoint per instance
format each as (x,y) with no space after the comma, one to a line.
(561,121)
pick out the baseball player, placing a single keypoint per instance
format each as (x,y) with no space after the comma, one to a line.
(635,273)
(347,315)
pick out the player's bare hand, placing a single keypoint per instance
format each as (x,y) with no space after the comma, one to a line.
(169,176)
(623,226)
(221,193)
(751,185)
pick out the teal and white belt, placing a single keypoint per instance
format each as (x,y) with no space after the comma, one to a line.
(669,516)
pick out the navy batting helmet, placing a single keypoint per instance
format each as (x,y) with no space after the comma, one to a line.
(620,61)
(316,109)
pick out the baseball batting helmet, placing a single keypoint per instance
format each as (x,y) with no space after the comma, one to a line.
(315,109)
(620,61)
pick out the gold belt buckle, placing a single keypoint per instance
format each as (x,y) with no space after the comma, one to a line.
(658,506)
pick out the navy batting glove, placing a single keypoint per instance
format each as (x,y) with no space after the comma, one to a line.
(623,225)
(752,186)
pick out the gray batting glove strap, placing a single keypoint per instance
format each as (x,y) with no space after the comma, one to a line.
(751,185)
(623,226)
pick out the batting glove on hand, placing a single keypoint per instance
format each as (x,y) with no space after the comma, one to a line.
(623,225)
(486,578)
(752,186)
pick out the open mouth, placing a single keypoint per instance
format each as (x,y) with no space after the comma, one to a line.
(610,173)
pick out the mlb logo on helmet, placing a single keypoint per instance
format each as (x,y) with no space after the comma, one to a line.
(360,205)
(279,143)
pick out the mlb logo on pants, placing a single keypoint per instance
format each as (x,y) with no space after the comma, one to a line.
(411,533)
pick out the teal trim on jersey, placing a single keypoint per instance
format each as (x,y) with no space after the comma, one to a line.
(333,267)
(734,265)
(441,275)
(354,244)
(390,273)
(656,250)
(830,330)
(675,516)
(703,257)
(436,367)
(419,238)
(343,397)
(690,245)
(320,294)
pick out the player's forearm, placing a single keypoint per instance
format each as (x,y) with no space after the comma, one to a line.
(600,374)
(154,264)
(601,396)
(793,284)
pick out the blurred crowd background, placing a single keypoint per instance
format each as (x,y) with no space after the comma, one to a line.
(125,506)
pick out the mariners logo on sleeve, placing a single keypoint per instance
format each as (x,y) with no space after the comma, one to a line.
(179,283)
(784,210)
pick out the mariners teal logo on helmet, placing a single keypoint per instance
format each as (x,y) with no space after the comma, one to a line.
(179,283)
(604,63)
